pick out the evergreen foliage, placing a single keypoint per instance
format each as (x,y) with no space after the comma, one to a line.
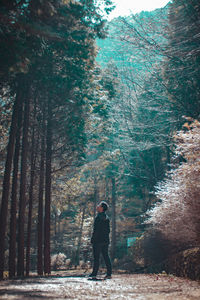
(81,129)
(47,56)
(182,67)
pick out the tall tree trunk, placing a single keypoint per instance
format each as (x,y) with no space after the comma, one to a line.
(22,197)
(80,236)
(113,241)
(95,197)
(168,157)
(32,179)
(59,232)
(106,189)
(6,180)
(55,227)
(13,210)
(47,220)
(95,202)
(40,205)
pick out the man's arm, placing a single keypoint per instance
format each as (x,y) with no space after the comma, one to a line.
(108,226)
(95,230)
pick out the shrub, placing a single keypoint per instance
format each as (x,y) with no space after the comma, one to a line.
(177,216)
(151,248)
(58,261)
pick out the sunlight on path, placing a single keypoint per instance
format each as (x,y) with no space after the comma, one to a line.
(140,287)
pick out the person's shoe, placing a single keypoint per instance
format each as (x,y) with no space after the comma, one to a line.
(108,277)
(92,277)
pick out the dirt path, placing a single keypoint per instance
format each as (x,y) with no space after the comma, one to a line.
(140,287)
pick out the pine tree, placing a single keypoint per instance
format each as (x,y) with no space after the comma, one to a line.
(54,53)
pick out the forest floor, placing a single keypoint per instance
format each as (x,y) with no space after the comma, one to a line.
(121,286)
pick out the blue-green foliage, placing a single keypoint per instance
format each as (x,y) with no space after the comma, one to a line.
(140,110)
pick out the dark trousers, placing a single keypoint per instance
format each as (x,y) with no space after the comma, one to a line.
(97,249)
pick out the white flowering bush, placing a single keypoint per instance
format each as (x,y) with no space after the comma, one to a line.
(177,216)
(58,261)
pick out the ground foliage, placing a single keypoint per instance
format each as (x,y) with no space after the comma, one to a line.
(74,286)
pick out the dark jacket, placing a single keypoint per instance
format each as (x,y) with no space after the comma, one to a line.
(101,229)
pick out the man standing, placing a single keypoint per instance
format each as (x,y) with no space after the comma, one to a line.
(100,240)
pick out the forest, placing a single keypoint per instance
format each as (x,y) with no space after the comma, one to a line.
(95,110)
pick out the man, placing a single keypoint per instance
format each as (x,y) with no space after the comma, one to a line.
(100,240)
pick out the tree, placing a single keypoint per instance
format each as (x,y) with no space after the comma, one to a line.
(6,181)
(13,217)
(141,112)
(33,159)
(182,66)
(176,215)
(47,53)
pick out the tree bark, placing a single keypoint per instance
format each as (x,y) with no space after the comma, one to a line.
(40,205)
(106,189)
(13,210)
(6,180)
(95,197)
(32,180)
(47,258)
(80,236)
(113,241)
(168,157)
(22,198)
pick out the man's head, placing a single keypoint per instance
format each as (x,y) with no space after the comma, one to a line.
(102,206)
